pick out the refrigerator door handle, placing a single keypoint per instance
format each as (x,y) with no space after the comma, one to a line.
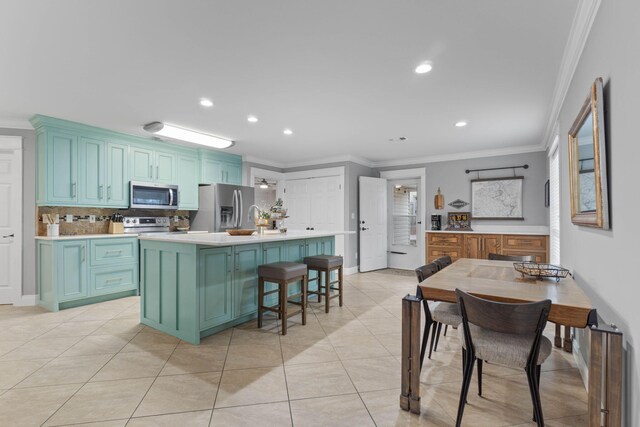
(235,208)
(241,211)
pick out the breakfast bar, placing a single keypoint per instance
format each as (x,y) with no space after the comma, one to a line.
(194,285)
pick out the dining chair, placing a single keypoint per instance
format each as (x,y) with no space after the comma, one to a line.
(515,258)
(443,262)
(505,334)
(443,312)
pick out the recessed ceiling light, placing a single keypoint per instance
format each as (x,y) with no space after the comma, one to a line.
(287,132)
(461,123)
(206,102)
(252,119)
(181,134)
(424,67)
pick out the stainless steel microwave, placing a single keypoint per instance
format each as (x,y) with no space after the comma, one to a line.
(149,195)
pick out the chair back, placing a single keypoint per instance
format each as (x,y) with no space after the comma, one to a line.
(515,258)
(443,261)
(524,319)
(426,271)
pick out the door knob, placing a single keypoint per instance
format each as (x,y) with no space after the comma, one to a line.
(8,235)
(364,228)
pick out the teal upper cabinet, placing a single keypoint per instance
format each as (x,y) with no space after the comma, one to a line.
(62,167)
(117,175)
(141,164)
(187,182)
(91,168)
(79,165)
(220,168)
(150,165)
(231,173)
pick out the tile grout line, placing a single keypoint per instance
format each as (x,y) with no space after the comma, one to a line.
(221,375)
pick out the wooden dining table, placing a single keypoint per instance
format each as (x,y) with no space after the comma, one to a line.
(499,281)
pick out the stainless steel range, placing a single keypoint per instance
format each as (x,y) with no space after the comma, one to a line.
(146,224)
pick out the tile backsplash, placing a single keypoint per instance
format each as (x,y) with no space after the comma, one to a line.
(81,224)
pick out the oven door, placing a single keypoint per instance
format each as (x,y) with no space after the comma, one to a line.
(147,195)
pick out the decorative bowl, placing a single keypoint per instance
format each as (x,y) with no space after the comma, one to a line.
(240,231)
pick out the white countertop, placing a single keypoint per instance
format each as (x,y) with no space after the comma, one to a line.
(224,239)
(85,236)
(540,230)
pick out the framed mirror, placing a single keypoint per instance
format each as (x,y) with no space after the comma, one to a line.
(588,163)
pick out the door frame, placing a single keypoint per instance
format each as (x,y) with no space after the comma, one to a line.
(390,209)
(13,145)
(421,174)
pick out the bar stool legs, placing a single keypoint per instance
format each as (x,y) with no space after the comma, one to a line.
(325,285)
(284,299)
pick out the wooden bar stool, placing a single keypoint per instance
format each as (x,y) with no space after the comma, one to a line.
(282,274)
(326,264)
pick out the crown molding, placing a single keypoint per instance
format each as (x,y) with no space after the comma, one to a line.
(315,162)
(461,156)
(578,34)
(15,124)
(253,159)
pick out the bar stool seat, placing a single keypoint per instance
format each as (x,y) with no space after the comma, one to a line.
(326,264)
(282,274)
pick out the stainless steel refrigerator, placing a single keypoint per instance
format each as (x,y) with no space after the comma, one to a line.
(222,206)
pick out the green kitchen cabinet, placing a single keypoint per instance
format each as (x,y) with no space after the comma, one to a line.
(231,173)
(62,168)
(272,252)
(245,279)
(211,171)
(165,165)
(91,168)
(72,272)
(141,164)
(215,286)
(117,194)
(187,183)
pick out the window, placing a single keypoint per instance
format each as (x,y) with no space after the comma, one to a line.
(554,203)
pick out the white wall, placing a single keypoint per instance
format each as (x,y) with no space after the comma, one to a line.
(605,263)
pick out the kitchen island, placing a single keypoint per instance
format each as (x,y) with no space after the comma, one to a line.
(194,285)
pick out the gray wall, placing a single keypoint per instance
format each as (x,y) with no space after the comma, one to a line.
(28,207)
(605,262)
(455,184)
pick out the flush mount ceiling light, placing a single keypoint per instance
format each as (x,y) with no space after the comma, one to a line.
(287,132)
(424,67)
(206,102)
(461,123)
(181,134)
(264,184)
(252,119)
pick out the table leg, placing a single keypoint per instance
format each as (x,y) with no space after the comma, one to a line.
(410,365)
(558,338)
(568,344)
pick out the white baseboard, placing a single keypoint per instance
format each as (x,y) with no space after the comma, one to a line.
(349,271)
(583,368)
(27,300)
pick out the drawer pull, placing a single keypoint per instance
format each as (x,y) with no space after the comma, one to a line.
(117,279)
(113,252)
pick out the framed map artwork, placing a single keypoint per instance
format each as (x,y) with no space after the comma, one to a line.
(497,198)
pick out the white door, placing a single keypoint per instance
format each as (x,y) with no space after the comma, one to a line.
(10,219)
(373,223)
(403,224)
(297,202)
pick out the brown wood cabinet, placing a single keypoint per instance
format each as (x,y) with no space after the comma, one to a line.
(479,245)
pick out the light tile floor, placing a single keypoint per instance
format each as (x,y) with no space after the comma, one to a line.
(97,366)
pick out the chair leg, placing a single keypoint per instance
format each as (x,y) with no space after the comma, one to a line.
(433,337)
(435,348)
(303,304)
(319,282)
(284,290)
(260,300)
(327,290)
(425,338)
(479,377)
(532,378)
(340,277)
(469,360)
(445,329)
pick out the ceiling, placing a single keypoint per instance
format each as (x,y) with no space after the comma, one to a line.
(339,73)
